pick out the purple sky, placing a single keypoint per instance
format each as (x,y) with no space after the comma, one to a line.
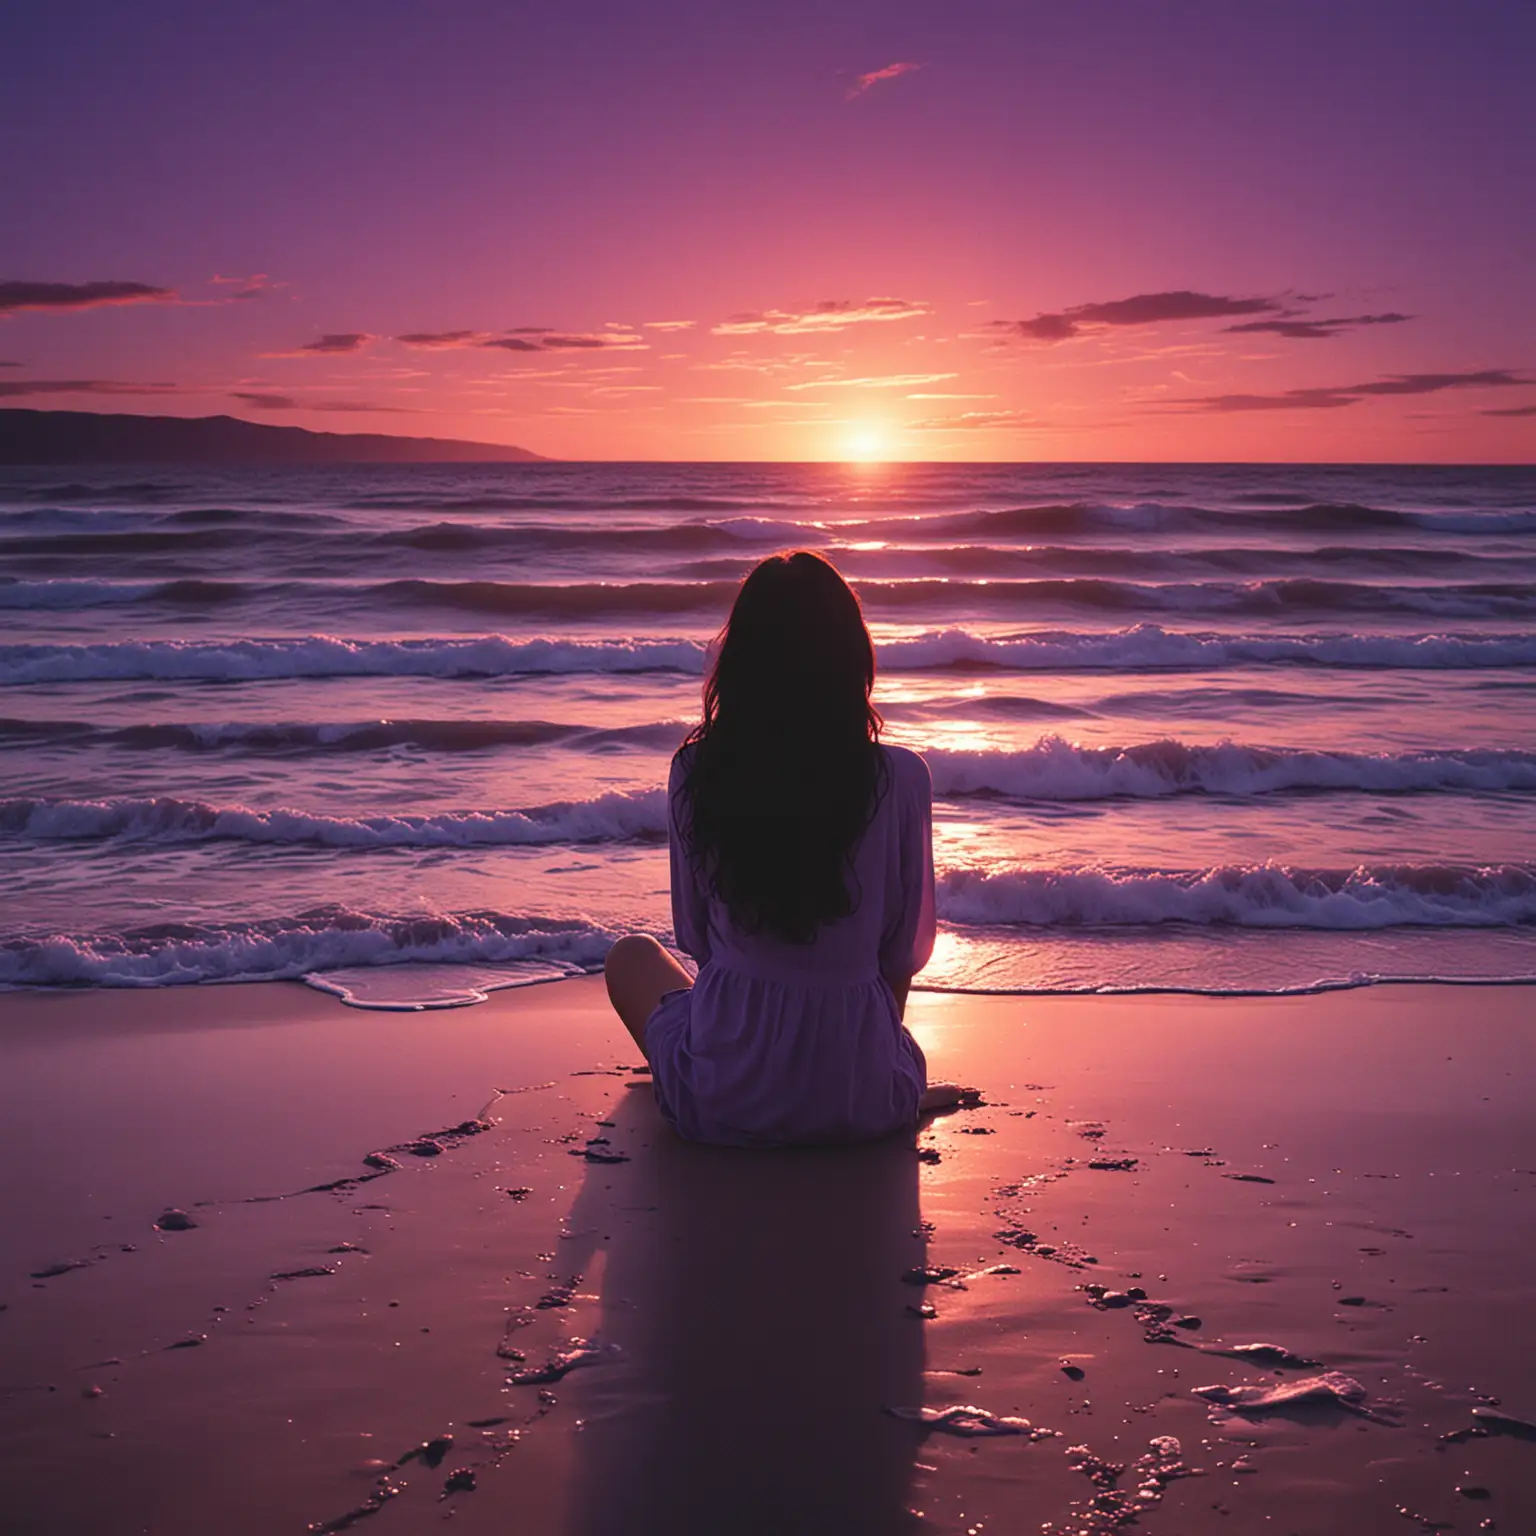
(1104,229)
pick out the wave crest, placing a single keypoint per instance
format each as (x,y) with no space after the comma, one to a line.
(1056,769)
(615,817)
(1146,647)
(284,948)
(1246,896)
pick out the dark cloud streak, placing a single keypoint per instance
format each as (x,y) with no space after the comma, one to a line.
(16,389)
(441,340)
(333,343)
(1315,330)
(261,401)
(62,297)
(1140,309)
(1184,304)
(523,338)
(1335,396)
(264,402)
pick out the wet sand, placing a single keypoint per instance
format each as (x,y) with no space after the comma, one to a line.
(418,1267)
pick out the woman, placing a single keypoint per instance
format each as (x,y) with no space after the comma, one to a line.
(802,883)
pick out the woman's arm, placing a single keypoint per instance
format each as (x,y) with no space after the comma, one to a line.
(910,923)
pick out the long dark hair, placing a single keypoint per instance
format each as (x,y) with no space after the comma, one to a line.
(786,768)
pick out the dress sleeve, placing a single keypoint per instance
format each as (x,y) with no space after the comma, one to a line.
(690,901)
(907,943)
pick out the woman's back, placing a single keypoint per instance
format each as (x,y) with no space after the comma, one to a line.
(890,884)
(779,1041)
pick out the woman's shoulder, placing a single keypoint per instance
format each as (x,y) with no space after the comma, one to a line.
(908,768)
(680,762)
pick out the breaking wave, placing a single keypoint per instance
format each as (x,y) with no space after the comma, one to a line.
(284,948)
(611,600)
(614,817)
(1247,896)
(1055,769)
(1146,647)
(341,736)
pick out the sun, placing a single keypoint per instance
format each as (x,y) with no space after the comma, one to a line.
(867,445)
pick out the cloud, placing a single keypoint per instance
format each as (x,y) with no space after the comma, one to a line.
(20,387)
(332,344)
(265,402)
(669,325)
(947,394)
(1291,400)
(1183,304)
(1315,330)
(1513,410)
(976,421)
(441,340)
(829,315)
(887,381)
(252,287)
(1333,397)
(1432,383)
(875,76)
(7,363)
(358,405)
(1139,309)
(527,338)
(560,343)
(261,401)
(17,296)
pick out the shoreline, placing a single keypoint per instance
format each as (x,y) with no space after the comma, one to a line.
(484,990)
(1346,1175)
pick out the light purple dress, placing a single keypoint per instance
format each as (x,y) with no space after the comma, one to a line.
(779,1043)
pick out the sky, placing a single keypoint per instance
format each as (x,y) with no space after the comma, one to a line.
(691,229)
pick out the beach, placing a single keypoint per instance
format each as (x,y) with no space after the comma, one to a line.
(417,1267)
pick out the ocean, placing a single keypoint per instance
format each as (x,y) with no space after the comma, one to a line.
(403,730)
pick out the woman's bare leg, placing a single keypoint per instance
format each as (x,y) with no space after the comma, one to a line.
(639,971)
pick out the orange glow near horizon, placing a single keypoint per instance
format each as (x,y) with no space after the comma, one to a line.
(868,445)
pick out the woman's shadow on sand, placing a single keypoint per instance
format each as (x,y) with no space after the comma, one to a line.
(759,1328)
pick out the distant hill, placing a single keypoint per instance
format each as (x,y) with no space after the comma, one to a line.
(92,437)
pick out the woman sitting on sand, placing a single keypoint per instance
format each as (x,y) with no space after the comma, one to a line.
(802,883)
